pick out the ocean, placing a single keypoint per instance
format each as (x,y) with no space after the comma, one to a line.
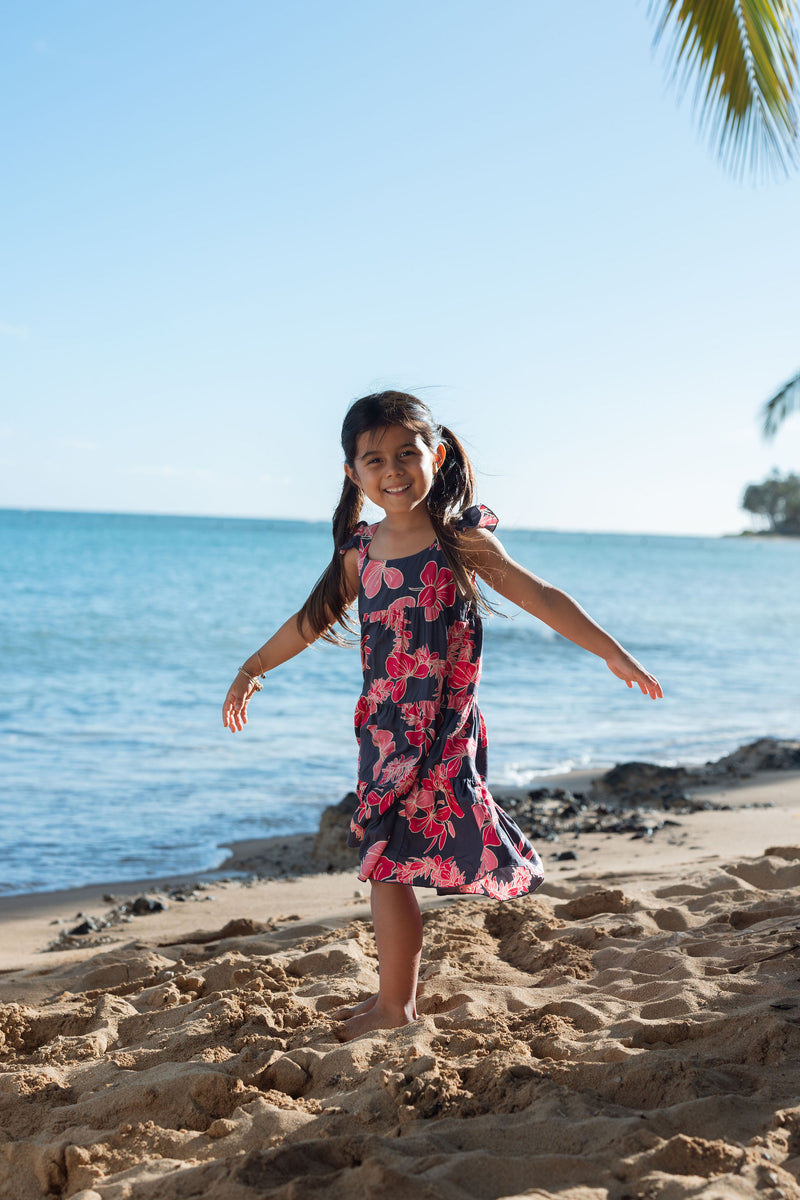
(119,636)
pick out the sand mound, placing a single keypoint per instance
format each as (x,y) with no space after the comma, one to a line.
(607,1044)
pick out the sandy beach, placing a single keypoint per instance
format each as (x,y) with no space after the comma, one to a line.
(630,1031)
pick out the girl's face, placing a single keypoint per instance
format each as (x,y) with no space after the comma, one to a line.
(394,467)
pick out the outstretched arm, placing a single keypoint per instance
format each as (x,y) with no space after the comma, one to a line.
(285,643)
(557,609)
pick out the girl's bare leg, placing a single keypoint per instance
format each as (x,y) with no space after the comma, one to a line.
(355,1010)
(398,936)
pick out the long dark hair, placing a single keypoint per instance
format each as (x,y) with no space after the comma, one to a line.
(452,492)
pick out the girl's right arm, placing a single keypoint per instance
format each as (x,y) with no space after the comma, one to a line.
(285,643)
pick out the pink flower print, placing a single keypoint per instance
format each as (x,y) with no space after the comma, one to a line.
(378,691)
(456,749)
(377,800)
(464,675)
(425,657)
(490,835)
(481,813)
(499,889)
(521,880)
(374,865)
(439,591)
(384,743)
(428,824)
(401,667)
(432,819)
(460,643)
(488,861)
(356,830)
(362,711)
(409,872)
(377,572)
(400,772)
(444,872)
(418,719)
(394,618)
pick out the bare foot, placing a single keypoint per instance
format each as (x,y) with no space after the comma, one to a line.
(355,1010)
(376,1017)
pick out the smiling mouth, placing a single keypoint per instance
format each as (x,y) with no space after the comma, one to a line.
(397,491)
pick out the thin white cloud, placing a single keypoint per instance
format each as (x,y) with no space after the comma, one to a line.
(19,333)
(279,480)
(166,471)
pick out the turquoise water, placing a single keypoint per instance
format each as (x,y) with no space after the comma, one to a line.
(119,636)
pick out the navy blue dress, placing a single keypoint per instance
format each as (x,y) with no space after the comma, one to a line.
(425,815)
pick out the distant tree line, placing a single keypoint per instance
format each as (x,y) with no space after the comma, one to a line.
(777,500)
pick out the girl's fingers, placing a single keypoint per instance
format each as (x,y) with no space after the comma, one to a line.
(234,712)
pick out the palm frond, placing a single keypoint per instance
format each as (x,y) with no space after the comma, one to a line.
(778,408)
(742,55)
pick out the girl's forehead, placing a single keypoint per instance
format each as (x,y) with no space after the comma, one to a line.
(386,437)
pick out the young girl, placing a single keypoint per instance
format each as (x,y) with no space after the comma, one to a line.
(425,816)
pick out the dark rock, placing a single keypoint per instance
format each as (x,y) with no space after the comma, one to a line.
(330,850)
(143,905)
(546,793)
(89,925)
(567,856)
(641,782)
(765,754)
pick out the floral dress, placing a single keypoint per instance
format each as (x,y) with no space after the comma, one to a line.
(425,815)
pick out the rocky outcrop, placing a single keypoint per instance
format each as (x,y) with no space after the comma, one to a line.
(330,851)
(765,754)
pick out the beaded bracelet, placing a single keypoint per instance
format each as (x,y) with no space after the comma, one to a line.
(257,684)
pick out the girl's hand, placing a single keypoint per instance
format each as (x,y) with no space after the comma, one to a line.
(630,672)
(234,710)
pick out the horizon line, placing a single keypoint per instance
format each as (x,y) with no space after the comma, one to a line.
(326,521)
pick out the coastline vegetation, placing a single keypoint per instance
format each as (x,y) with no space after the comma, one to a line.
(777,502)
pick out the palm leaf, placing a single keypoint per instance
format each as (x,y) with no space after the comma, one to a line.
(743,57)
(777,409)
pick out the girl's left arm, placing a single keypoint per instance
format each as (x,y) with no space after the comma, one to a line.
(557,609)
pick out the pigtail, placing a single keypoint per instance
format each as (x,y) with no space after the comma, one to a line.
(328,601)
(453,486)
(452,492)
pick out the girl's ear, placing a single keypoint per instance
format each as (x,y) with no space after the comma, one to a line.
(439,455)
(351,475)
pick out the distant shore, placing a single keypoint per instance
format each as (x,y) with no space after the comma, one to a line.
(765,533)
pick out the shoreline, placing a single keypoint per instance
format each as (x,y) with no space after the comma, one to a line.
(286,856)
(275,879)
(285,849)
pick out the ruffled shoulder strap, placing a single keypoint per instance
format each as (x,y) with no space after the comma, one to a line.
(477,517)
(362,532)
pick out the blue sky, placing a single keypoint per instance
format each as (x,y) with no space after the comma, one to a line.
(221,223)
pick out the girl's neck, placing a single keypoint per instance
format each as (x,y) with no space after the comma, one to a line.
(402,534)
